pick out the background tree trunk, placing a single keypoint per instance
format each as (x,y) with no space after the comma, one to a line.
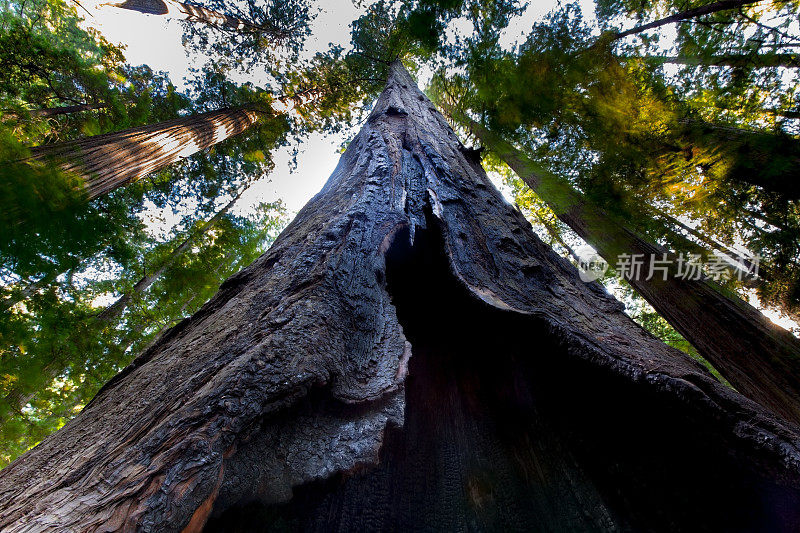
(112,160)
(708,9)
(55,111)
(296,373)
(193,13)
(761,360)
(765,159)
(113,311)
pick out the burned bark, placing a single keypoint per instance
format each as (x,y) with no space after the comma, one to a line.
(112,160)
(293,379)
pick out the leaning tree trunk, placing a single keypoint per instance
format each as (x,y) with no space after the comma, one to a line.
(785,113)
(193,13)
(530,402)
(708,9)
(761,360)
(113,311)
(46,112)
(709,244)
(112,160)
(16,399)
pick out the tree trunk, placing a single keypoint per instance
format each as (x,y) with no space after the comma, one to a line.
(18,397)
(113,160)
(757,357)
(708,9)
(556,236)
(113,311)
(752,60)
(193,13)
(785,113)
(531,401)
(27,291)
(711,244)
(55,111)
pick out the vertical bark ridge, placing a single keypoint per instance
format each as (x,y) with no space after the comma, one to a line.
(112,160)
(293,372)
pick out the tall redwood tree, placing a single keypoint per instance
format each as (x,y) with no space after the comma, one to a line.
(106,162)
(409,317)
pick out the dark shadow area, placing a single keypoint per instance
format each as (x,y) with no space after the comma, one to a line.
(506,431)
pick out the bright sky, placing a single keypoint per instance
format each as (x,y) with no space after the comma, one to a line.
(156,41)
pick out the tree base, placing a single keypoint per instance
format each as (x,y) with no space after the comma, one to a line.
(504,430)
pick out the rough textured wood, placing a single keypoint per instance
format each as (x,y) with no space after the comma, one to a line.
(292,373)
(506,430)
(112,160)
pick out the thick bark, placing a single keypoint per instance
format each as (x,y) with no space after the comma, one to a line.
(113,160)
(752,60)
(113,311)
(193,13)
(757,357)
(296,373)
(708,9)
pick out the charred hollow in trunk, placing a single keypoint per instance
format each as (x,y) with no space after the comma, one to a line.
(501,437)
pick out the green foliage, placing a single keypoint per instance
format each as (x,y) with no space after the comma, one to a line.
(704,145)
(63,258)
(56,354)
(272,38)
(636,140)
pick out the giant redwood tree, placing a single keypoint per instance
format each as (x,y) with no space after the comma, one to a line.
(409,355)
